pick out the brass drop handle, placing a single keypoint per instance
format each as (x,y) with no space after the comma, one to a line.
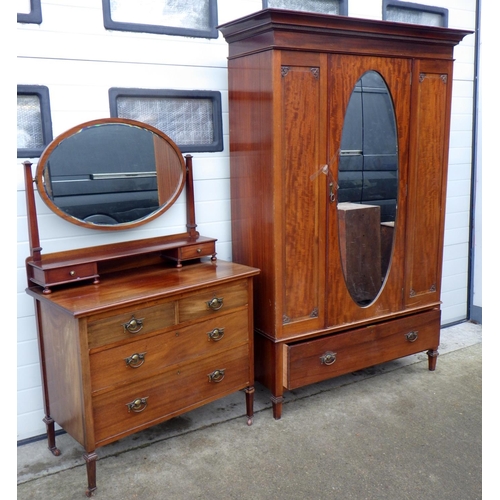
(134,325)
(137,405)
(216,334)
(328,358)
(412,336)
(332,192)
(216,376)
(216,303)
(136,360)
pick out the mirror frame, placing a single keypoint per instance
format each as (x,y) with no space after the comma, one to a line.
(39,177)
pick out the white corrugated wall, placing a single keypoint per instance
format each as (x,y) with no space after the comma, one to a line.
(78,60)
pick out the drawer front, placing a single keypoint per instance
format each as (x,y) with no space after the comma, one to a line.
(130,323)
(142,358)
(309,362)
(197,251)
(174,391)
(213,300)
(189,252)
(65,274)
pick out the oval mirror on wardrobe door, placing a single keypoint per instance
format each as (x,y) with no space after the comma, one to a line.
(368,187)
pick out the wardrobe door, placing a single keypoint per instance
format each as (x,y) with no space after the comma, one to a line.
(301,158)
(369,113)
(431,104)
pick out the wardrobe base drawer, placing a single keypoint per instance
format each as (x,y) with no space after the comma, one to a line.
(337,354)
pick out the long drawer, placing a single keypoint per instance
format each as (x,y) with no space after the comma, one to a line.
(337,354)
(145,356)
(174,391)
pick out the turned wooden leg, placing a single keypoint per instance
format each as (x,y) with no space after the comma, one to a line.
(269,369)
(249,394)
(51,436)
(91,459)
(277,406)
(432,355)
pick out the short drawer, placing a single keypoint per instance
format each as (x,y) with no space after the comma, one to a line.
(66,274)
(326,357)
(144,357)
(196,251)
(174,391)
(130,323)
(189,252)
(213,300)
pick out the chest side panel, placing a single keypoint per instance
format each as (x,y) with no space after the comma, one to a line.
(65,365)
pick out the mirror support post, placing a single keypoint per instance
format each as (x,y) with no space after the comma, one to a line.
(191,217)
(35,248)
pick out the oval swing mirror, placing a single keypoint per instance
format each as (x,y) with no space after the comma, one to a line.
(110,174)
(368,187)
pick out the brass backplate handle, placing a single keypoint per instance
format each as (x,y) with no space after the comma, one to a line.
(412,336)
(217,375)
(328,358)
(137,405)
(216,303)
(134,325)
(136,360)
(216,334)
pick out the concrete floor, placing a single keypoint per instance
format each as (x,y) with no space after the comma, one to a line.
(391,432)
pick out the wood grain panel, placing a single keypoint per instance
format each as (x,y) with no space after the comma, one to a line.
(427,189)
(301,114)
(303,101)
(64,372)
(253,206)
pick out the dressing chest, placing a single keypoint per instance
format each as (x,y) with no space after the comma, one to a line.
(134,333)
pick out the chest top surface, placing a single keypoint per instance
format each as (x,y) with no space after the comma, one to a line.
(150,283)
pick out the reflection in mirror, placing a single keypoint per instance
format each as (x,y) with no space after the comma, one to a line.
(368,186)
(111,174)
